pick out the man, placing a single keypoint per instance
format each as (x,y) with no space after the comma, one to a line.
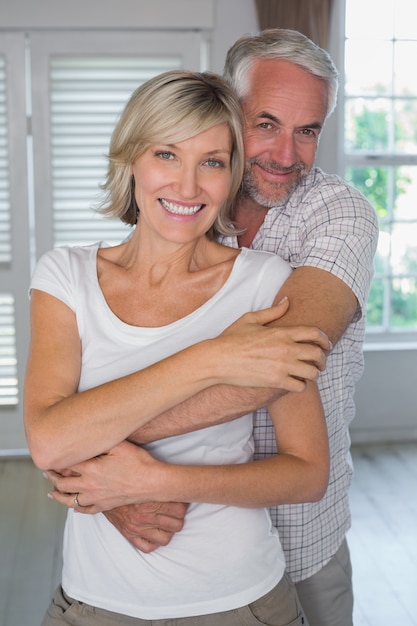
(287,87)
(328,232)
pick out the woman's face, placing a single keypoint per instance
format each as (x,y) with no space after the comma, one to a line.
(179,188)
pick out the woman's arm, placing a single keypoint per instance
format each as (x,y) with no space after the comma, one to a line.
(64,427)
(299,473)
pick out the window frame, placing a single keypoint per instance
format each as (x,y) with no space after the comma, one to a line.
(14,276)
(391,338)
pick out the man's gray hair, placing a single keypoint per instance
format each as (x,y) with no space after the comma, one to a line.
(280,43)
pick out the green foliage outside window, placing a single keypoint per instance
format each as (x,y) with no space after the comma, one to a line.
(393,295)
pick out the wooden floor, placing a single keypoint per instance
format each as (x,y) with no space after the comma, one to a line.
(383,539)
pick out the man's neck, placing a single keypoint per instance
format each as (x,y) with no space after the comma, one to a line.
(250,215)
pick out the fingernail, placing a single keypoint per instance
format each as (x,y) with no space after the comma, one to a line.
(283,300)
(50,496)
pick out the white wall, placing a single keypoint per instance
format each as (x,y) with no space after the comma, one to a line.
(386,397)
(225,19)
(233,18)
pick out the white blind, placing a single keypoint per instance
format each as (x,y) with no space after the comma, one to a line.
(8,359)
(5,231)
(87,96)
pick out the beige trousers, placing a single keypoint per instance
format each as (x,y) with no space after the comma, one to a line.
(279,607)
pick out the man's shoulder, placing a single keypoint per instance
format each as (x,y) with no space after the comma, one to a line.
(317,181)
(321,190)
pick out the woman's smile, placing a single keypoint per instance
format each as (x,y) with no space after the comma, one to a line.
(189,180)
(180,208)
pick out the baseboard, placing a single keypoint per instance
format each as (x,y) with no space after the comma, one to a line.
(383,435)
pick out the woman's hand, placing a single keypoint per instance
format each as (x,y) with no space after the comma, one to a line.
(262,355)
(123,476)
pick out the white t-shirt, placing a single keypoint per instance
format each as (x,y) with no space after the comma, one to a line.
(225,557)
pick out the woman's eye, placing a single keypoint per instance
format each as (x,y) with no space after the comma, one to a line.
(165,155)
(214,163)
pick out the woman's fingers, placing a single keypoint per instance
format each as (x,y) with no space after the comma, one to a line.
(266,317)
(271,356)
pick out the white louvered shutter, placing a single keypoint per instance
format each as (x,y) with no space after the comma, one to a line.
(8,358)
(87,96)
(85,90)
(14,240)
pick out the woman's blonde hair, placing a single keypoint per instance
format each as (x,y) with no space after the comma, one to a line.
(170,108)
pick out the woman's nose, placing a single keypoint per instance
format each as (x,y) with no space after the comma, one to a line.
(188,182)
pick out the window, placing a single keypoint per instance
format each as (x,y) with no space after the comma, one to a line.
(380,150)
(60,96)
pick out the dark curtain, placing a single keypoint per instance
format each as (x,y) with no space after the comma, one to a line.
(310,17)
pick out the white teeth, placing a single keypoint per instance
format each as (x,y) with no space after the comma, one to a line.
(180,210)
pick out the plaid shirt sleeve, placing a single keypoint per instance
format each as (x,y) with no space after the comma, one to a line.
(335,229)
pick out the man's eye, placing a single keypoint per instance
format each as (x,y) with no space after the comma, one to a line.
(265,125)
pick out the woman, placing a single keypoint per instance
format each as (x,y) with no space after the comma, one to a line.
(120,334)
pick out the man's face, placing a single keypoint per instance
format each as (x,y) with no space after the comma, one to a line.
(284,110)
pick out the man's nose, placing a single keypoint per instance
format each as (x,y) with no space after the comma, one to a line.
(284,149)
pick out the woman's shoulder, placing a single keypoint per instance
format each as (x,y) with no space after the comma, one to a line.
(62,264)
(64,271)
(65,255)
(262,258)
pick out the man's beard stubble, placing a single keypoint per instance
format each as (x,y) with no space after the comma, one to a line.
(268,194)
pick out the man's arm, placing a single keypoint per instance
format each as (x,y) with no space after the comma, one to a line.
(128,474)
(317,298)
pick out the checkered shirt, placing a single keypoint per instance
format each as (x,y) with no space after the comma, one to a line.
(329,225)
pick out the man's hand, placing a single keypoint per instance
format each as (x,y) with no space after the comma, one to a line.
(112,484)
(148,525)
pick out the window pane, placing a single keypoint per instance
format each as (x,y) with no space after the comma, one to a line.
(405,202)
(375,306)
(367,124)
(406,125)
(404,53)
(404,22)
(404,248)
(404,303)
(367,20)
(368,67)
